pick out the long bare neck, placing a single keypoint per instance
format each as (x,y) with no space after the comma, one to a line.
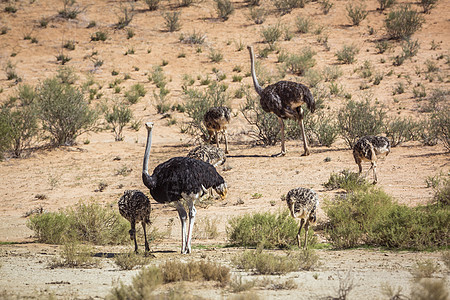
(148,180)
(258,88)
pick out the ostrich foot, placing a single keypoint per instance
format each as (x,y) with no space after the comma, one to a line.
(306,153)
(282,153)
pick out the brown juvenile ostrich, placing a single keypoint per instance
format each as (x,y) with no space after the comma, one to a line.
(216,120)
(303,204)
(208,153)
(370,148)
(135,207)
(284,99)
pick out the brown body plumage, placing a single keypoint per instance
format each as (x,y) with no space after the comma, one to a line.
(303,204)
(370,148)
(208,153)
(284,99)
(216,120)
(135,207)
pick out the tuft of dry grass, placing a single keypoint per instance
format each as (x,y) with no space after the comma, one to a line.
(128,261)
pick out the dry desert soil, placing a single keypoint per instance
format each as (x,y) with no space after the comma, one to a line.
(69,174)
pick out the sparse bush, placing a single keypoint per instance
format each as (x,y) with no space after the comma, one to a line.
(75,255)
(193,38)
(69,11)
(135,92)
(99,36)
(440,121)
(424,269)
(118,118)
(358,119)
(286,6)
(265,230)
(326,6)
(347,54)
(257,14)
(152,4)
(128,261)
(313,77)
(172,21)
(264,263)
(400,130)
(332,73)
(63,58)
(410,49)
(215,55)
(383,46)
(386,4)
(125,16)
(205,229)
(299,63)
(272,34)
(303,24)
(403,22)
(427,5)
(224,8)
(356,13)
(64,112)
(173,271)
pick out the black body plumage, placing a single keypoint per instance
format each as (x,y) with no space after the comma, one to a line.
(181,175)
(284,99)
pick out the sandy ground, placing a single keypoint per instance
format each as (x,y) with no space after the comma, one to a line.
(68,175)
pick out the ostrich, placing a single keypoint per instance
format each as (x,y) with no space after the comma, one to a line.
(181,180)
(210,154)
(284,99)
(135,207)
(303,204)
(369,148)
(217,119)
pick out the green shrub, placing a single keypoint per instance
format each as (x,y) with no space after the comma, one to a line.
(372,218)
(263,263)
(403,22)
(442,193)
(193,38)
(87,222)
(172,21)
(326,6)
(266,230)
(303,24)
(199,101)
(313,77)
(215,55)
(410,49)
(356,13)
(332,73)
(440,121)
(346,180)
(271,34)
(118,118)
(70,11)
(286,6)
(99,36)
(64,112)
(299,63)
(383,46)
(386,4)
(257,14)
(224,8)
(358,119)
(347,54)
(135,92)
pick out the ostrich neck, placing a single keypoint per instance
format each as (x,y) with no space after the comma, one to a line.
(148,180)
(258,88)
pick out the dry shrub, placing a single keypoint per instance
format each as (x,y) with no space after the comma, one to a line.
(128,261)
(424,269)
(205,229)
(173,271)
(75,255)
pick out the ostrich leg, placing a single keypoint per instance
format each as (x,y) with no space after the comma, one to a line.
(305,142)
(302,221)
(226,141)
(283,146)
(306,234)
(147,247)
(183,216)
(192,213)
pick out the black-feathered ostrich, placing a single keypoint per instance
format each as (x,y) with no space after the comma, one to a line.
(284,99)
(135,207)
(181,180)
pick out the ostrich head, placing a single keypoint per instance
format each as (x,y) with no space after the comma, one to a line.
(222,190)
